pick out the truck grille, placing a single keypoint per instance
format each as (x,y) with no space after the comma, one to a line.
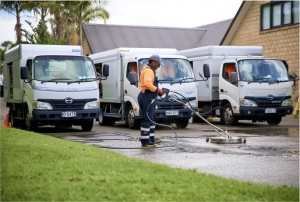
(169,105)
(265,102)
(61,104)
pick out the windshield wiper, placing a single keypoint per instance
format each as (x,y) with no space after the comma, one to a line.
(278,81)
(86,79)
(59,79)
(173,81)
(168,80)
(55,80)
(257,80)
(181,80)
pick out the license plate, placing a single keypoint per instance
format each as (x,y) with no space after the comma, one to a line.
(270,110)
(172,113)
(68,114)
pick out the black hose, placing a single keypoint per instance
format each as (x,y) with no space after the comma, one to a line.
(164,125)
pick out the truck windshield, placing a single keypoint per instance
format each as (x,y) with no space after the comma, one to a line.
(262,70)
(63,68)
(174,70)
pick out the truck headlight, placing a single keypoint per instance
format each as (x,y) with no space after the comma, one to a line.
(194,103)
(287,102)
(247,103)
(92,105)
(41,105)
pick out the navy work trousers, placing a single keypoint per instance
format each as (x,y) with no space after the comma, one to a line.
(147,126)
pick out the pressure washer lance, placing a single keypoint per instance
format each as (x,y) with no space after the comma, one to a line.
(225,137)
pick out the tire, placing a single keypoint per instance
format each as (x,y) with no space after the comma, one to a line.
(182,123)
(12,119)
(87,125)
(29,124)
(130,121)
(105,121)
(274,121)
(228,115)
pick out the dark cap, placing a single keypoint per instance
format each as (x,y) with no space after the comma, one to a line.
(157,59)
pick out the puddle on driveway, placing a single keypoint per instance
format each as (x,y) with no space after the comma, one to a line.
(278,146)
(288,132)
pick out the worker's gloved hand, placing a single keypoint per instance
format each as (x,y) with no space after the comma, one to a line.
(160,92)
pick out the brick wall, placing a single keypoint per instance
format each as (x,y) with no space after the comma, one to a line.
(281,43)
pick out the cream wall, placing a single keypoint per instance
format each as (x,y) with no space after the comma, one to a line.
(281,43)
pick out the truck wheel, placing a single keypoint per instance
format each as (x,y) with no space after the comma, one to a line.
(130,120)
(29,124)
(182,123)
(274,121)
(105,121)
(228,115)
(13,122)
(87,125)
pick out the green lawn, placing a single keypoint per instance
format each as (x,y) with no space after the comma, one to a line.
(36,167)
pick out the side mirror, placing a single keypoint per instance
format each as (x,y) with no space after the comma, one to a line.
(233,77)
(293,76)
(132,78)
(24,73)
(206,71)
(105,71)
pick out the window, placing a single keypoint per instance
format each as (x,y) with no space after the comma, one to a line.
(227,70)
(29,66)
(279,14)
(132,67)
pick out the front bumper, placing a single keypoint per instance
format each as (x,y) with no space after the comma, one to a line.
(260,111)
(56,115)
(182,114)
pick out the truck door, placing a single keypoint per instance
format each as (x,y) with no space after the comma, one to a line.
(131,90)
(227,89)
(28,92)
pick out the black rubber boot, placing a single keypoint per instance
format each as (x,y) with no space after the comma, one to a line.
(155,140)
(147,143)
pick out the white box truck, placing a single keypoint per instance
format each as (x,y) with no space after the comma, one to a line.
(118,98)
(50,85)
(243,84)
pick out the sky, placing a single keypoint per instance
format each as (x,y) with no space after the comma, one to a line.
(160,13)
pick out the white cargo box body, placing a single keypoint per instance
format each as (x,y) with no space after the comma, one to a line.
(25,51)
(214,56)
(21,53)
(112,86)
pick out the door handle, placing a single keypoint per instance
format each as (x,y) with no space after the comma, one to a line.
(222,91)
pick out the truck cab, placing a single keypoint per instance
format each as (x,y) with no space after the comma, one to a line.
(50,85)
(259,89)
(118,96)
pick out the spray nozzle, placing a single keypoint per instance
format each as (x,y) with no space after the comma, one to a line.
(167,94)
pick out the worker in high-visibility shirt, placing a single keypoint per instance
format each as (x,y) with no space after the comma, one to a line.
(149,90)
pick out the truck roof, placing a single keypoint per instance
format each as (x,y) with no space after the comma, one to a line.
(133,51)
(24,51)
(223,51)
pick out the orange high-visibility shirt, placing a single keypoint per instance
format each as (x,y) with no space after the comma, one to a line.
(147,80)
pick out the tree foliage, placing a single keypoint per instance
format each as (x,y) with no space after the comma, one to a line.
(59,21)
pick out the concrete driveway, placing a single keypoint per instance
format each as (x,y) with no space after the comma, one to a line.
(270,154)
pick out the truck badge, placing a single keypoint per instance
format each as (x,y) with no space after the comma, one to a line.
(270,97)
(69,100)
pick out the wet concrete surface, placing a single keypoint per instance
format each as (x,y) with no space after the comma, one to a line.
(263,159)
(270,154)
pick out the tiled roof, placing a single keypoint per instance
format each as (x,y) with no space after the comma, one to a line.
(102,37)
(215,33)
